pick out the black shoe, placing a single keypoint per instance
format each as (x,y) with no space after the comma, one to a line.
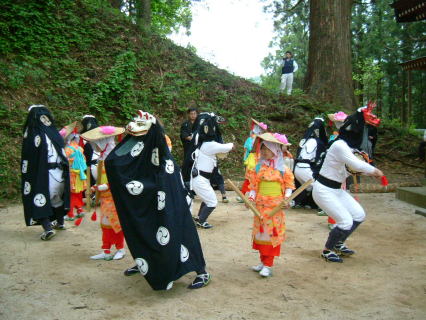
(47,235)
(342,250)
(200,281)
(131,271)
(331,256)
(57,226)
(204,225)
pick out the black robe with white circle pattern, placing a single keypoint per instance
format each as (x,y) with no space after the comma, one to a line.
(34,168)
(159,234)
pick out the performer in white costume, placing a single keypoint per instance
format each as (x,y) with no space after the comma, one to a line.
(327,191)
(205,161)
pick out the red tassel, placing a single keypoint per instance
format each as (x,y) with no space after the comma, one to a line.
(81,142)
(274,232)
(93,217)
(120,137)
(385,181)
(331,220)
(78,221)
(261,228)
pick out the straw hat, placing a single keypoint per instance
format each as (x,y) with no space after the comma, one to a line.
(68,129)
(260,124)
(275,138)
(102,132)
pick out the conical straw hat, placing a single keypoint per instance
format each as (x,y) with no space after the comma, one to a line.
(102,132)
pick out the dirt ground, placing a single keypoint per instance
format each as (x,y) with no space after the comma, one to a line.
(386,279)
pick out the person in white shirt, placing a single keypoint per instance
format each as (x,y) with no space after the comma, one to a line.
(288,68)
(205,161)
(327,191)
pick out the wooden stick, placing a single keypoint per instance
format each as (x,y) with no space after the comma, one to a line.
(88,190)
(242,196)
(293,195)
(98,181)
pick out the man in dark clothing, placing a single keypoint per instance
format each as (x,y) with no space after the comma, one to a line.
(289,66)
(186,131)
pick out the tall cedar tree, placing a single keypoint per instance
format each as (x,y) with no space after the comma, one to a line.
(329,74)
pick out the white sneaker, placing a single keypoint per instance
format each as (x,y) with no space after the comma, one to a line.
(102,256)
(266,271)
(257,268)
(119,254)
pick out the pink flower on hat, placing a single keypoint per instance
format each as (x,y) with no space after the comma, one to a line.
(63,132)
(281,137)
(340,116)
(263,126)
(107,129)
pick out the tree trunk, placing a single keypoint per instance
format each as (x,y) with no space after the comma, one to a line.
(116,4)
(143,14)
(329,75)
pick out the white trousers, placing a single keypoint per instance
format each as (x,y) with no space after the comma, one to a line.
(204,190)
(302,175)
(56,187)
(339,205)
(286,82)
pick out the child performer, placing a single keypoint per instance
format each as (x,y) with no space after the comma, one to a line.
(271,183)
(328,192)
(102,140)
(256,128)
(77,165)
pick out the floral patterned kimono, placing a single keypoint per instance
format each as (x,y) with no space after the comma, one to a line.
(270,186)
(78,179)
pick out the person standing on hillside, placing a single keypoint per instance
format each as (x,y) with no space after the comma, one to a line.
(288,68)
(186,134)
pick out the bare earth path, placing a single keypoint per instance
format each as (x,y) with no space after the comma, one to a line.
(386,279)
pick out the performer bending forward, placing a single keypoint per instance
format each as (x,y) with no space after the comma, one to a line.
(327,191)
(270,184)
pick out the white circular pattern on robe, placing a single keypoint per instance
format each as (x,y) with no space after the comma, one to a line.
(155,158)
(184,253)
(37,140)
(142,265)
(170,167)
(163,236)
(26,133)
(161,200)
(134,187)
(32,222)
(24,166)
(45,120)
(206,129)
(27,188)
(39,200)
(89,125)
(137,149)
(188,200)
(169,286)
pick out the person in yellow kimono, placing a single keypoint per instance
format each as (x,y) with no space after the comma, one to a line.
(102,140)
(271,183)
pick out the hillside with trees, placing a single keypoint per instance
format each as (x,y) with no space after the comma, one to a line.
(89,57)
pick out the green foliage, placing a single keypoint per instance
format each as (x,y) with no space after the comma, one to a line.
(369,75)
(170,15)
(116,90)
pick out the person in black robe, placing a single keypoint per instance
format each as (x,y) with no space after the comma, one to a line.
(45,173)
(88,123)
(186,135)
(152,205)
(309,158)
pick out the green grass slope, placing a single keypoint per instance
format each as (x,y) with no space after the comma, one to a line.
(82,57)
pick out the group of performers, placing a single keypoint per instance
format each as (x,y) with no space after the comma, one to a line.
(146,200)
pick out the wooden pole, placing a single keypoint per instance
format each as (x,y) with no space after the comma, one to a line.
(246,201)
(293,195)
(98,181)
(88,190)
(408,115)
